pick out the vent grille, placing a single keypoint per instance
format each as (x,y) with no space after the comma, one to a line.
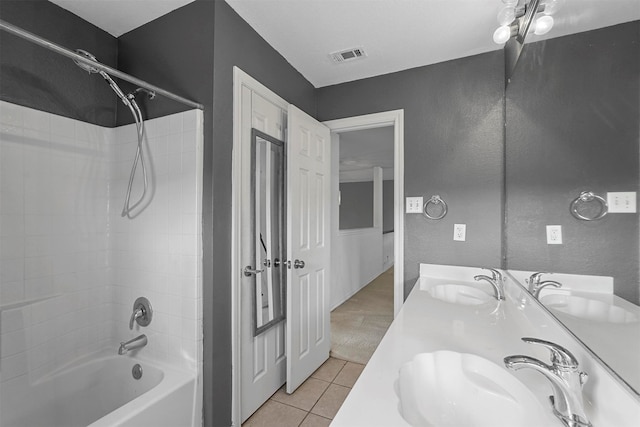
(348,55)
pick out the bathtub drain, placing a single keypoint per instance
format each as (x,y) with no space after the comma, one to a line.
(136,371)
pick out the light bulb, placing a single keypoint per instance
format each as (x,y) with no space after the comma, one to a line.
(506,15)
(543,25)
(502,34)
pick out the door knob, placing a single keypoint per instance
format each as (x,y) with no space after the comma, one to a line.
(298,263)
(248,271)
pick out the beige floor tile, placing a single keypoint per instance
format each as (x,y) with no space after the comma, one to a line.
(274,413)
(349,374)
(331,401)
(329,369)
(314,420)
(305,396)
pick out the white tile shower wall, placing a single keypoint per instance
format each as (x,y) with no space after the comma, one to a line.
(54,298)
(157,254)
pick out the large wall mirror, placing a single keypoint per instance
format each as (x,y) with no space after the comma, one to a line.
(268,206)
(572,125)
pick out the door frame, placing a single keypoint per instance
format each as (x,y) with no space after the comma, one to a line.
(240,80)
(393,118)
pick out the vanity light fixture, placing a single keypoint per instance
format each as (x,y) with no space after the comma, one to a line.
(517,17)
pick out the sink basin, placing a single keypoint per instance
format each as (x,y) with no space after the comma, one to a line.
(459,294)
(447,388)
(588,308)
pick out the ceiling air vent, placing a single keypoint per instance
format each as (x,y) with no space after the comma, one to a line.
(348,55)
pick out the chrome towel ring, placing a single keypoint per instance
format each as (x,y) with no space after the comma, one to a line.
(436,200)
(587,197)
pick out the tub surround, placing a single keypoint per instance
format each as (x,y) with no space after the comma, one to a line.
(72,267)
(492,330)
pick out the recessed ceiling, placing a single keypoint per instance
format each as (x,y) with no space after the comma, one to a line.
(399,35)
(120,16)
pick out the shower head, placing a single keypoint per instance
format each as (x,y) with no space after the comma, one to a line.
(91,70)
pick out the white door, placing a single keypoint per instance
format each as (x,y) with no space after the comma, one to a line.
(263,357)
(308,327)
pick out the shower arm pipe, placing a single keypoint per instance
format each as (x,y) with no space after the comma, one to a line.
(17,31)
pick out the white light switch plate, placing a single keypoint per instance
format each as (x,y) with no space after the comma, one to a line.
(414,205)
(554,234)
(622,202)
(460,232)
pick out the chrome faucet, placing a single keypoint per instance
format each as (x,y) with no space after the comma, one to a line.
(133,344)
(496,281)
(536,284)
(565,377)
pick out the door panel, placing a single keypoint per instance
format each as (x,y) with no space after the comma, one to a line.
(308,174)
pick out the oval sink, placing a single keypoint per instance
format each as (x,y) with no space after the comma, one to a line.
(446,388)
(589,309)
(459,294)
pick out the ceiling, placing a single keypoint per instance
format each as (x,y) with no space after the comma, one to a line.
(361,150)
(395,34)
(117,17)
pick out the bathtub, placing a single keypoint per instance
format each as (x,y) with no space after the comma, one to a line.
(102,392)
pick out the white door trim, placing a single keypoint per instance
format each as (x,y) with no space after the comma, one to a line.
(393,118)
(240,80)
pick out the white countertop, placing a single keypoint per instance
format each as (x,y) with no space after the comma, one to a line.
(491,330)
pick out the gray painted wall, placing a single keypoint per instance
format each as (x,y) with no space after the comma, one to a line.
(36,78)
(236,43)
(454,122)
(387,206)
(356,205)
(573,122)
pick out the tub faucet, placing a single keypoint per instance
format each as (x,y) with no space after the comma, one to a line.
(495,281)
(566,381)
(133,344)
(536,284)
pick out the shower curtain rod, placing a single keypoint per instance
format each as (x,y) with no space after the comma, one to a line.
(80,58)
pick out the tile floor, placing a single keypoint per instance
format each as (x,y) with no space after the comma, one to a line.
(314,403)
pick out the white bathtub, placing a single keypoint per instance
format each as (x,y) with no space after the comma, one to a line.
(102,392)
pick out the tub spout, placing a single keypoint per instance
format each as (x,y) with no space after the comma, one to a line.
(133,344)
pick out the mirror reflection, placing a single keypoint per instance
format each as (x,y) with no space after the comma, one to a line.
(572,126)
(267,159)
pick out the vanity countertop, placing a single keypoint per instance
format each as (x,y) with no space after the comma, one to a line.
(491,330)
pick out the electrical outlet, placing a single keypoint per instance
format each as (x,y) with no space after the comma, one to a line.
(622,202)
(414,205)
(554,234)
(460,232)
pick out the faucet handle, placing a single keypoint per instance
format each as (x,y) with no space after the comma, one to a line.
(497,275)
(560,356)
(535,277)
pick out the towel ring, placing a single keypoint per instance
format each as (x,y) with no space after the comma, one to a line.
(436,200)
(587,197)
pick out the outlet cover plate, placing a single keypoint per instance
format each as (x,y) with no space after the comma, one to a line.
(622,202)
(459,232)
(414,205)
(554,234)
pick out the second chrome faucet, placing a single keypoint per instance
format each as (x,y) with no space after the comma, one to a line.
(496,281)
(536,284)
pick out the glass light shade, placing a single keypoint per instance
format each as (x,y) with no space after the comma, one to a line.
(512,3)
(502,34)
(506,15)
(543,25)
(552,6)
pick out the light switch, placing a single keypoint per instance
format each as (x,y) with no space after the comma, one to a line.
(414,205)
(622,202)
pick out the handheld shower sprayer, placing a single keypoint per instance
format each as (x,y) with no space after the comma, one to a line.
(130,101)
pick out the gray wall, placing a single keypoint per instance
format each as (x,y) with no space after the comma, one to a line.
(387,206)
(236,43)
(34,77)
(356,205)
(573,122)
(454,118)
